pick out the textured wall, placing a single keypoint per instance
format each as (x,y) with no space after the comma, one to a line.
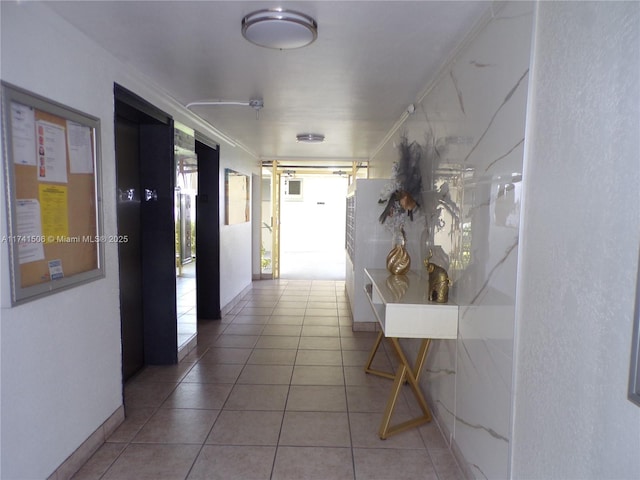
(581,232)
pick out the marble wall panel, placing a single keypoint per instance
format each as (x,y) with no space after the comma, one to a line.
(476,115)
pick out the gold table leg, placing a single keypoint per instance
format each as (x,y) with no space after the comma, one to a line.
(411,375)
(372,354)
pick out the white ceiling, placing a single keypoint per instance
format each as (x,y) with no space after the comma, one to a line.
(370,61)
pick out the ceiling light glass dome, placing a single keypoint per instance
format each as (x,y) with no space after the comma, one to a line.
(279,29)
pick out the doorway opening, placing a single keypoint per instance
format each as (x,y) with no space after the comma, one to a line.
(304,218)
(185,191)
(144,167)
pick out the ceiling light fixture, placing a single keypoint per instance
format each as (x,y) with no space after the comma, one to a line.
(310,138)
(279,29)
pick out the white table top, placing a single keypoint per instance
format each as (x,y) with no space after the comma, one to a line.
(401,306)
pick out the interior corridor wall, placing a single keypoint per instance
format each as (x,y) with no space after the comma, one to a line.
(475,111)
(579,254)
(61,355)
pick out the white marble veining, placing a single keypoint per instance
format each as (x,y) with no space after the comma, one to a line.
(476,113)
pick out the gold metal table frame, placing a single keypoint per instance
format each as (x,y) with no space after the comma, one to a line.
(404,373)
(410,315)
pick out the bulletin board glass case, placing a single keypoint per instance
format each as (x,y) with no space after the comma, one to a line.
(53,195)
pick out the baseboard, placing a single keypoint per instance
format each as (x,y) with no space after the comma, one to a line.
(187,348)
(365,327)
(85,451)
(233,303)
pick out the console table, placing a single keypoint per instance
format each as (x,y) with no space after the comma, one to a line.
(403,310)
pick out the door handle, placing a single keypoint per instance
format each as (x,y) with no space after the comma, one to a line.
(150,195)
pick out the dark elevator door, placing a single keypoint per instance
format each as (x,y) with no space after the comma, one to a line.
(128,181)
(145,177)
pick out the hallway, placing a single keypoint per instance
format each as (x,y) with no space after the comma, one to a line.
(275,390)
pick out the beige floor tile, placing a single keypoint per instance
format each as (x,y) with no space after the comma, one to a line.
(276,341)
(244,329)
(298,311)
(226,355)
(373,399)
(320,429)
(355,375)
(246,428)
(433,437)
(257,397)
(282,330)
(311,398)
(233,462)
(319,357)
(177,425)
(320,295)
(256,311)
(327,321)
(164,373)
(360,342)
(209,396)
(319,343)
(326,305)
(321,312)
(153,462)
(445,464)
(250,319)
(134,420)
(272,356)
(146,394)
(320,331)
(288,302)
(266,375)
(286,320)
(213,373)
(100,462)
(237,341)
(386,464)
(365,428)
(317,375)
(313,463)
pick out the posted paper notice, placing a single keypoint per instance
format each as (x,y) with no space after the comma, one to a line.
(80,151)
(23,134)
(29,238)
(52,152)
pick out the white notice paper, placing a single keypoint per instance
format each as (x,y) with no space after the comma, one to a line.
(52,152)
(23,134)
(80,155)
(29,226)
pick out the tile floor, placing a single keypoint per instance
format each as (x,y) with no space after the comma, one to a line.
(274,390)
(186,305)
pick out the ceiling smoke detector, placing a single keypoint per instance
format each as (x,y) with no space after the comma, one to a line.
(279,29)
(310,138)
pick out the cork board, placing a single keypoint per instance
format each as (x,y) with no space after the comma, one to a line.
(53,190)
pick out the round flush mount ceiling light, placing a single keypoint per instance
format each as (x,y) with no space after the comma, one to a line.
(279,29)
(310,138)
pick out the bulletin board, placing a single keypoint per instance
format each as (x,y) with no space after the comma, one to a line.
(237,197)
(53,195)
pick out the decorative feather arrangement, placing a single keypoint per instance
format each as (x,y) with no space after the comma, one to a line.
(405,189)
(413,188)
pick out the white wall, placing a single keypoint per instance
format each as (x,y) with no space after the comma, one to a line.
(61,355)
(581,233)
